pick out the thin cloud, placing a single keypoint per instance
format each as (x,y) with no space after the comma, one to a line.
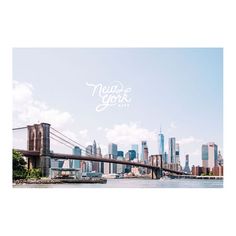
(129,134)
(27,110)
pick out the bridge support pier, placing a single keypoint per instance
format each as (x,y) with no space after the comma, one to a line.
(158,173)
(45,165)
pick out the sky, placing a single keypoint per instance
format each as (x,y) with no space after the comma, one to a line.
(177,89)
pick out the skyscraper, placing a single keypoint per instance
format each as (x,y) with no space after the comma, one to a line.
(132,155)
(145,155)
(135,148)
(95,165)
(112,149)
(161,144)
(120,168)
(76,151)
(220,159)
(112,152)
(177,159)
(88,164)
(120,153)
(172,151)
(100,164)
(165,158)
(186,167)
(94,149)
(144,145)
(89,150)
(209,155)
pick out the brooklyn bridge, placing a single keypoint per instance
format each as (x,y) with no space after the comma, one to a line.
(39,154)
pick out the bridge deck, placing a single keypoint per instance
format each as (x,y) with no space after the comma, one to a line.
(92,158)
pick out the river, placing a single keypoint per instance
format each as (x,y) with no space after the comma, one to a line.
(137,183)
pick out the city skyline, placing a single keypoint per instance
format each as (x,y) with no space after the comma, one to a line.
(185,87)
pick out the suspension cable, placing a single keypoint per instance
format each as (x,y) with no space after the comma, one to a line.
(17,128)
(62,139)
(85,151)
(61,142)
(68,138)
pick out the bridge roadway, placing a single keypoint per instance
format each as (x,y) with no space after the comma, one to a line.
(92,158)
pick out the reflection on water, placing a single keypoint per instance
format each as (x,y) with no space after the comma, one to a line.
(138,183)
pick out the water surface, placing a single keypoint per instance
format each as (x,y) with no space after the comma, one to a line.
(138,183)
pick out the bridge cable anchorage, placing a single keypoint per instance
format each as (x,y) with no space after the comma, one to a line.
(64,140)
(61,142)
(18,128)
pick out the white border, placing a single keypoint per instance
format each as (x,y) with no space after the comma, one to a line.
(112,24)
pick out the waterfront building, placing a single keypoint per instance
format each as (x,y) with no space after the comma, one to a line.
(88,166)
(135,148)
(135,171)
(209,155)
(186,167)
(76,163)
(106,170)
(218,171)
(172,151)
(196,170)
(83,166)
(143,145)
(60,163)
(200,170)
(120,168)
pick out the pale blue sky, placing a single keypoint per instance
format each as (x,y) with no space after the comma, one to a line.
(179,89)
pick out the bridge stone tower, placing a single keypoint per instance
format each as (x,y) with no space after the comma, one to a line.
(39,140)
(157,160)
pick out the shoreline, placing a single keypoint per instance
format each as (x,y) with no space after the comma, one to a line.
(60,181)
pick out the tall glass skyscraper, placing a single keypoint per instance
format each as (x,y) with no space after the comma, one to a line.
(161,144)
(132,155)
(135,148)
(112,149)
(172,151)
(76,163)
(120,153)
